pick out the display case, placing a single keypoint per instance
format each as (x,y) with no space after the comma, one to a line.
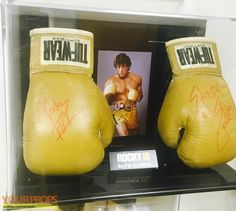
(142,36)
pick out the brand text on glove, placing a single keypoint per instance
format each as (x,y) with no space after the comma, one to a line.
(64,51)
(195,55)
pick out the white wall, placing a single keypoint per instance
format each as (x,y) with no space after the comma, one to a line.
(158,203)
(3,153)
(178,7)
(217,201)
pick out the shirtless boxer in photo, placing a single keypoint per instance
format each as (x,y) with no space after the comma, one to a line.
(123,91)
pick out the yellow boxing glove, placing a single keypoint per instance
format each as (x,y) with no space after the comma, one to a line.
(67,121)
(133,95)
(199,102)
(110,92)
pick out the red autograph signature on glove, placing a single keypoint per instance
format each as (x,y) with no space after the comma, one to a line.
(222,110)
(58,114)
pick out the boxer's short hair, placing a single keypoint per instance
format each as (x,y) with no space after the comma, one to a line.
(120,59)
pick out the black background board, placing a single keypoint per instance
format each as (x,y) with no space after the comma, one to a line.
(172,176)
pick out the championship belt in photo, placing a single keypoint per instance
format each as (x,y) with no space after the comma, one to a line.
(127,106)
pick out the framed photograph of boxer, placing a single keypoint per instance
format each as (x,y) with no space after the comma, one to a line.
(123,77)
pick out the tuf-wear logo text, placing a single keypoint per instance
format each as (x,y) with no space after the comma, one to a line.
(61,50)
(195,55)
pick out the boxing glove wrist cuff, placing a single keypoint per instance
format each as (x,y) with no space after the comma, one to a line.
(193,55)
(55,49)
(110,89)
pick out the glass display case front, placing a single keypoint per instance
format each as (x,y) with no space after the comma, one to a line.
(136,161)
